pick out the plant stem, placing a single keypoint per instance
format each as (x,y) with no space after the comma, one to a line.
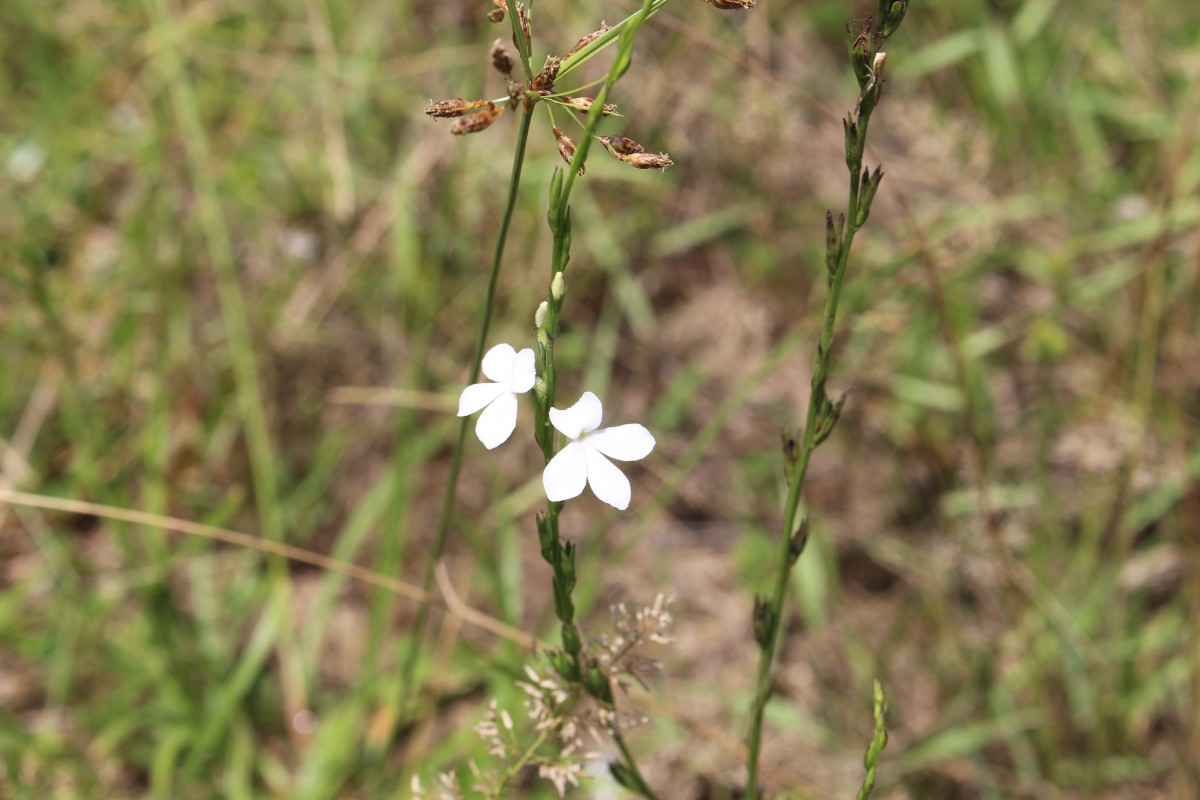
(868,58)
(443,524)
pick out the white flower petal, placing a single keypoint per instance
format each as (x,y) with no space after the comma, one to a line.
(497,421)
(524,372)
(584,416)
(478,395)
(497,363)
(608,482)
(566,474)
(624,442)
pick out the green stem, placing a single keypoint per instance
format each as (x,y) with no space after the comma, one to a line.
(443,524)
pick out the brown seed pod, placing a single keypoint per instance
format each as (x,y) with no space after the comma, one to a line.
(543,82)
(586,40)
(501,60)
(738,5)
(584,104)
(478,121)
(566,147)
(621,146)
(647,160)
(454,107)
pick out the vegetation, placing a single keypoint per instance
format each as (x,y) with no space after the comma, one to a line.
(243,282)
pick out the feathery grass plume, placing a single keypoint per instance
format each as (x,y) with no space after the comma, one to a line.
(867,58)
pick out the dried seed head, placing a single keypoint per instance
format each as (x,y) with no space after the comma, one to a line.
(454,107)
(478,121)
(523,18)
(566,147)
(516,92)
(543,82)
(497,13)
(584,104)
(586,40)
(621,146)
(647,160)
(738,5)
(500,59)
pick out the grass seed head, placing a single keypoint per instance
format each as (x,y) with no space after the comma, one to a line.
(480,120)
(543,82)
(566,148)
(501,60)
(586,40)
(454,107)
(647,160)
(584,104)
(621,145)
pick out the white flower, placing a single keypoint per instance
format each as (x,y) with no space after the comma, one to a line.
(583,460)
(513,373)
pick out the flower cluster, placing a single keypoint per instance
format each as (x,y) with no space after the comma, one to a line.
(584,460)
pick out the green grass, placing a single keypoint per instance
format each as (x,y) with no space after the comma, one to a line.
(212,216)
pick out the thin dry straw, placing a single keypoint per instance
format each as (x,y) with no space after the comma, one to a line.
(449,599)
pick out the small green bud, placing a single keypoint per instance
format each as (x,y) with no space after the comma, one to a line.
(565,666)
(558,287)
(621,774)
(570,638)
(598,684)
(539,316)
(764,617)
(870,186)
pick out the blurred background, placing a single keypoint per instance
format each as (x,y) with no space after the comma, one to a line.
(242,277)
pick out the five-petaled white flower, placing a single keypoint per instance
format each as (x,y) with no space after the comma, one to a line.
(582,461)
(514,374)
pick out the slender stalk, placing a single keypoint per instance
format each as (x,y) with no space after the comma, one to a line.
(867,58)
(443,524)
(571,662)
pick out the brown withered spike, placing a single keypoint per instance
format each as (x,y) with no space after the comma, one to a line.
(647,160)
(566,147)
(454,107)
(478,121)
(501,60)
(543,82)
(621,146)
(586,40)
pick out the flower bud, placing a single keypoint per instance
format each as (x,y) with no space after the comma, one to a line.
(539,386)
(558,287)
(539,316)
